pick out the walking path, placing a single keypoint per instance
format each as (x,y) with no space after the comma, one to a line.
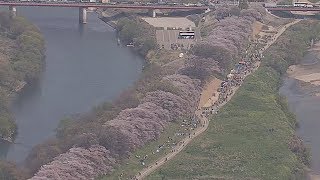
(204,122)
(280,31)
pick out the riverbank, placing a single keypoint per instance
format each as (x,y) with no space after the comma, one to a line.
(301,87)
(146,159)
(253,136)
(252,59)
(307,71)
(21,60)
(137,33)
(110,134)
(70,130)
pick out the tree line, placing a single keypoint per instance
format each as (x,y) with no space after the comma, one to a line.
(22,64)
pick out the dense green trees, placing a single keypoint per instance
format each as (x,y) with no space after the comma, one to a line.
(30,55)
(281,55)
(138,32)
(22,65)
(129,30)
(243,4)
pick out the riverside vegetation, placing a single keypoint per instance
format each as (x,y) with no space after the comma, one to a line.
(21,58)
(101,140)
(253,136)
(140,33)
(22,54)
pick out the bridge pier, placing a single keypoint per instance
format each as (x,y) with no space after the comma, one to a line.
(153,13)
(82,15)
(13,11)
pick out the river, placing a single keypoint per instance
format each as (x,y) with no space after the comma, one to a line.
(306,106)
(84,67)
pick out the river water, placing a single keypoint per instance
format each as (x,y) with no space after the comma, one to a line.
(307,110)
(84,67)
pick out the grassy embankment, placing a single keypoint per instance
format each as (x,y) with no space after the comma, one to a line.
(132,165)
(70,130)
(22,55)
(139,32)
(253,135)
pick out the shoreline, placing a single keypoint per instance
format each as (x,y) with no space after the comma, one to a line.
(307,78)
(149,167)
(307,72)
(28,47)
(259,124)
(23,85)
(49,165)
(302,72)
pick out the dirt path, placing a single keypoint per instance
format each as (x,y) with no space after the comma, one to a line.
(307,72)
(280,31)
(208,91)
(204,123)
(313,177)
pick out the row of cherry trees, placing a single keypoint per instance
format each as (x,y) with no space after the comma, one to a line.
(96,151)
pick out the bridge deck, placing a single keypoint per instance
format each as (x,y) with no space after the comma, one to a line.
(100,5)
(292,9)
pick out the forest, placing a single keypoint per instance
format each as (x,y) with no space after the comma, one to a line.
(21,59)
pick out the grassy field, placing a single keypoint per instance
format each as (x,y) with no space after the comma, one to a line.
(249,138)
(132,166)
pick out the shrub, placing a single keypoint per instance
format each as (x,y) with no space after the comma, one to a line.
(138,32)
(24,65)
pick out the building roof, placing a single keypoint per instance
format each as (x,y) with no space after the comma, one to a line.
(179,22)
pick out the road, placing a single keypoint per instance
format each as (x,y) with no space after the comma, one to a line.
(101,5)
(315,9)
(280,31)
(203,120)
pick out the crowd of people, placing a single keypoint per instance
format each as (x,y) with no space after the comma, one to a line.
(226,89)
(185,130)
(249,62)
(235,78)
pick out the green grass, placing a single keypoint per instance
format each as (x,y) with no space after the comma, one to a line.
(248,138)
(132,166)
(238,143)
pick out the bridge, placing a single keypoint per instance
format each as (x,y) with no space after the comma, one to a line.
(84,6)
(292,8)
